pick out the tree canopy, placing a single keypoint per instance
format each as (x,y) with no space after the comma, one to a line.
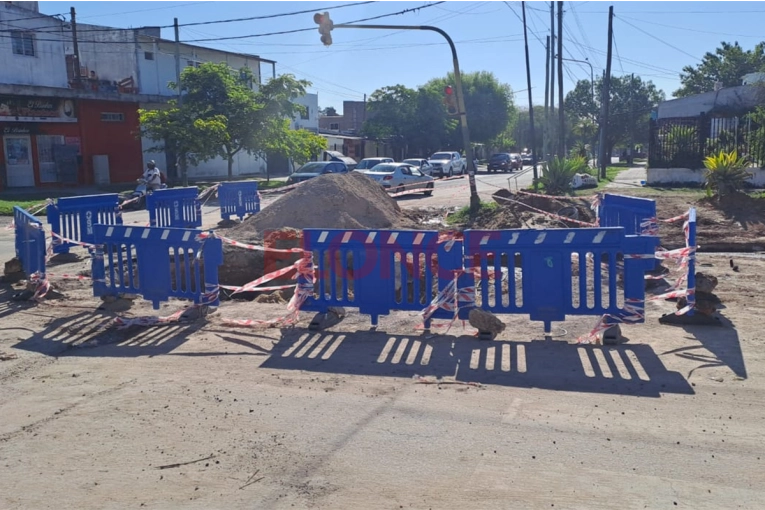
(728,65)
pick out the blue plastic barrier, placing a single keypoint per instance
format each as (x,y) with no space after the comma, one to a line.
(30,242)
(75,217)
(632,213)
(548,288)
(238,199)
(380,271)
(691,242)
(636,215)
(177,207)
(157,263)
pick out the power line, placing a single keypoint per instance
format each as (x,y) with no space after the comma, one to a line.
(215,22)
(521,20)
(34,17)
(657,38)
(617,53)
(637,62)
(174,6)
(693,29)
(582,31)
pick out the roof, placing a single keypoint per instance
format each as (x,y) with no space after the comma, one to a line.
(727,101)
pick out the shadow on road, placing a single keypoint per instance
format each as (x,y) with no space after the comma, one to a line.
(624,370)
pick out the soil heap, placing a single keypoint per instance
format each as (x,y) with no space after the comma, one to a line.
(342,201)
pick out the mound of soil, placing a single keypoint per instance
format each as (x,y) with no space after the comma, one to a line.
(557,205)
(342,201)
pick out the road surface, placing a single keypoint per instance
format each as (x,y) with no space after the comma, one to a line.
(448,193)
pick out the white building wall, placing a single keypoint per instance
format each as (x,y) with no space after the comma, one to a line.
(311,102)
(109,52)
(47,67)
(156,63)
(244,164)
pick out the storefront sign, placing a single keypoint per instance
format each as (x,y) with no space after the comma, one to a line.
(20,130)
(36,109)
(74,141)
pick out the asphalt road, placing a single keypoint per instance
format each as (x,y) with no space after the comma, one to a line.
(447,193)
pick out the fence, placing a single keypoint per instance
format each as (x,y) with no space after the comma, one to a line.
(636,215)
(380,271)
(685,142)
(177,207)
(238,199)
(556,276)
(74,218)
(157,263)
(30,242)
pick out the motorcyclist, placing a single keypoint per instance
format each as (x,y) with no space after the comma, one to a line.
(152,176)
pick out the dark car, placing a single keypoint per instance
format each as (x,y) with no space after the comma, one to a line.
(315,169)
(501,161)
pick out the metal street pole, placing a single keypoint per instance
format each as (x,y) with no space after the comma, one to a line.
(475,201)
(592,86)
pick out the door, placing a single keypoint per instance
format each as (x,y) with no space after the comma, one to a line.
(18,161)
(45,159)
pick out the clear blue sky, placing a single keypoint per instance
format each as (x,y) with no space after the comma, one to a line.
(488,35)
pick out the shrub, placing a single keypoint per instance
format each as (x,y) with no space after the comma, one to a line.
(725,173)
(558,173)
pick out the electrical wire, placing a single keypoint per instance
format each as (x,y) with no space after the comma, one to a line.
(544,45)
(174,6)
(582,31)
(657,38)
(692,29)
(613,37)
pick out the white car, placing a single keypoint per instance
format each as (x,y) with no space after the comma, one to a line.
(446,164)
(422,164)
(369,163)
(401,177)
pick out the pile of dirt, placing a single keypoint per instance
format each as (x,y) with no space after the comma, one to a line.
(341,201)
(571,207)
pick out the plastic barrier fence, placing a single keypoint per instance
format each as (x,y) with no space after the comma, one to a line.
(380,271)
(552,273)
(74,218)
(30,242)
(156,263)
(238,199)
(177,207)
(636,215)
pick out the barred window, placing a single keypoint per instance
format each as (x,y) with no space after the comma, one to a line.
(23,43)
(112,117)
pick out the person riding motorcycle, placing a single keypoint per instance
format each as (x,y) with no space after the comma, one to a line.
(152,176)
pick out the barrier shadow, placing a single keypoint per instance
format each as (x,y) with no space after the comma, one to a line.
(721,341)
(85,334)
(625,370)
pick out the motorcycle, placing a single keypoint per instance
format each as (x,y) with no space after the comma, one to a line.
(137,199)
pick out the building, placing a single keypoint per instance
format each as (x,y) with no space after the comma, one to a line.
(309,119)
(54,133)
(349,123)
(69,118)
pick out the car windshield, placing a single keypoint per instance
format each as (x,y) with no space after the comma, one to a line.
(312,168)
(366,164)
(415,162)
(386,168)
(499,156)
(441,155)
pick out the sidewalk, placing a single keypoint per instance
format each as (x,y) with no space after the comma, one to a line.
(629,178)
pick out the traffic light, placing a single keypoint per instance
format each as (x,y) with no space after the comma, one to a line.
(450,100)
(325,27)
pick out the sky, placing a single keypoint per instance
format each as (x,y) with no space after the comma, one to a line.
(654,40)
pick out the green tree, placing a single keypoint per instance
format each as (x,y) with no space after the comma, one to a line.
(728,65)
(391,114)
(329,111)
(631,102)
(488,102)
(299,145)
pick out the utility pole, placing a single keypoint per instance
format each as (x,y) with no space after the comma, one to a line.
(531,104)
(561,118)
(180,158)
(550,123)
(631,147)
(605,158)
(546,131)
(73,15)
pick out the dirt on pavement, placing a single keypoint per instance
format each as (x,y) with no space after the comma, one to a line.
(204,415)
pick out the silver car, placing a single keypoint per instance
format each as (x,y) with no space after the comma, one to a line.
(425,167)
(401,177)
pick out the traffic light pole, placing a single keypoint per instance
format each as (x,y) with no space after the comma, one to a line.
(475,202)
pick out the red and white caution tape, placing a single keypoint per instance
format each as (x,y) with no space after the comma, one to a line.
(147,321)
(42,285)
(303,291)
(253,285)
(232,242)
(552,215)
(683,216)
(62,239)
(634,310)
(449,299)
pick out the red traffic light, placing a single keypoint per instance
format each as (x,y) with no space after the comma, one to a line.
(448,90)
(318,18)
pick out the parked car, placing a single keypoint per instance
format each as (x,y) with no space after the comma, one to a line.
(422,164)
(369,163)
(316,168)
(526,158)
(517,160)
(502,162)
(400,177)
(446,164)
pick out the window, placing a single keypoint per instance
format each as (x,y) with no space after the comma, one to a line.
(334,126)
(304,113)
(112,117)
(192,63)
(148,55)
(23,43)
